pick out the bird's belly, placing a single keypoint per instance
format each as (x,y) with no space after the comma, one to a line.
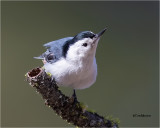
(71,75)
(78,80)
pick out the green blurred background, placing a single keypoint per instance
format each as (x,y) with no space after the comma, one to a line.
(127,58)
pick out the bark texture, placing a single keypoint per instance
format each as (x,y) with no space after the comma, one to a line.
(64,106)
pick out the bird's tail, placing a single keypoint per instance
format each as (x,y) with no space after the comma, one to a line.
(39,57)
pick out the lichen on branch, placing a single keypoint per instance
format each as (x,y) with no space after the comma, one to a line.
(73,112)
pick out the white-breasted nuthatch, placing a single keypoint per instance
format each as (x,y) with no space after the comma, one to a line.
(71,60)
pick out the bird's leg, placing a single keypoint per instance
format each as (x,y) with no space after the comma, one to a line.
(74,96)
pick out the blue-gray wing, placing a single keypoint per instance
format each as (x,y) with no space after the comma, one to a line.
(54,50)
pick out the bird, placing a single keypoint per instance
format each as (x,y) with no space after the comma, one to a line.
(71,61)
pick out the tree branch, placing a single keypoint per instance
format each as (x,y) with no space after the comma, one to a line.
(64,106)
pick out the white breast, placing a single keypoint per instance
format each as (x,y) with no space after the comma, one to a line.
(76,75)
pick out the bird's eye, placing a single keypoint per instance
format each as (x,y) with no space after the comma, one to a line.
(84,44)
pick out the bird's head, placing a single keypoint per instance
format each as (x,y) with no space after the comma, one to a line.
(84,44)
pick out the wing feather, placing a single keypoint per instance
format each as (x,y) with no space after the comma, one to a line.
(54,50)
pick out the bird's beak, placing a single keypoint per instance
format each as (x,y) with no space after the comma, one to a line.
(101,33)
(98,35)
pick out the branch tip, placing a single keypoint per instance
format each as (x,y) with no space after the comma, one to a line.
(34,72)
